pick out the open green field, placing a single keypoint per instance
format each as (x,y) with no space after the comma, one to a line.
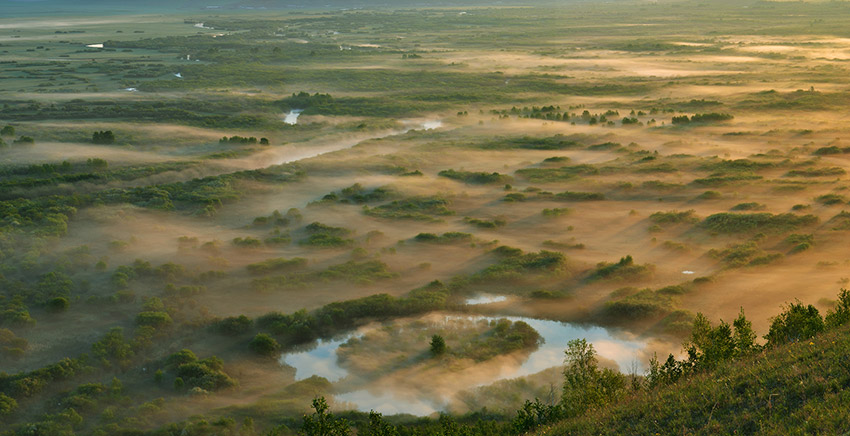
(192,200)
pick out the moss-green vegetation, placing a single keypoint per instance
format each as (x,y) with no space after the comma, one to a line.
(165,145)
(429,208)
(445,238)
(745,254)
(756,222)
(476,178)
(625,269)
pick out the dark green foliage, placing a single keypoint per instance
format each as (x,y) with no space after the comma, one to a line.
(97,163)
(796,323)
(515,266)
(674,217)
(7,130)
(153,319)
(206,374)
(264,345)
(709,346)
(830,199)
(557,142)
(702,118)
(233,325)
(358,194)
(58,304)
(322,423)
(438,345)
(415,208)
(24,140)
(839,315)
(239,140)
(722,179)
(7,405)
(805,100)
(112,348)
(643,305)
(276,265)
(378,426)
(445,238)
(823,151)
(817,172)
(749,206)
(756,222)
(625,269)
(543,175)
(103,137)
(183,356)
(362,273)
(533,415)
(485,224)
(325,240)
(709,195)
(555,212)
(503,338)
(585,385)
(247,242)
(475,178)
(799,242)
(317,227)
(514,197)
(745,254)
(580,196)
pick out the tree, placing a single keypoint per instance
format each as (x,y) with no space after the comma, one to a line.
(25,140)
(58,304)
(535,414)
(378,426)
(264,345)
(745,337)
(585,385)
(7,404)
(7,131)
(104,137)
(438,345)
(795,323)
(840,314)
(322,423)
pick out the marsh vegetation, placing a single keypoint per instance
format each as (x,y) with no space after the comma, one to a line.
(432,204)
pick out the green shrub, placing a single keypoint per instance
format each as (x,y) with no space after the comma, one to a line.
(674,217)
(276,265)
(749,206)
(233,325)
(264,345)
(153,319)
(756,222)
(58,304)
(477,178)
(580,196)
(415,208)
(645,304)
(625,269)
(796,323)
(445,238)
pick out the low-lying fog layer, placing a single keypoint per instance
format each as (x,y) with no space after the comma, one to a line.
(626,352)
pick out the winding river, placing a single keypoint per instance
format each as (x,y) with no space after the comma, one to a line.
(388,399)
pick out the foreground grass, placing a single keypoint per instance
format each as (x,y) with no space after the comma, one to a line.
(800,388)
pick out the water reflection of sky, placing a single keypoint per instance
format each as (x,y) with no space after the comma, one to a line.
(322,361)
(485,299)
(292,116)
(319,361)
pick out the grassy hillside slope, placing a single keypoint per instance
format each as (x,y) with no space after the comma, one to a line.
(799,388)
